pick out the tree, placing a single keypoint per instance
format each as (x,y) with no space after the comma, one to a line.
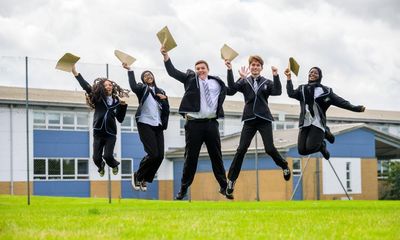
(393,182)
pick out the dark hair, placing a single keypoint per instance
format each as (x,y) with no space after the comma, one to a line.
(200,62)
(98,91)
(256,58)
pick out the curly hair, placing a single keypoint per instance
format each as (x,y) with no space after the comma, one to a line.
(98,91)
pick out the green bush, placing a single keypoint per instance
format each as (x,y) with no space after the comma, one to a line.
(393,182)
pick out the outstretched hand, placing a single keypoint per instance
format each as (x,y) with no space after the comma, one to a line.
(74,71)
(228,64)
(164,53)
(125,65)
(161,96)
(288,74)
(244,72)
(274,70)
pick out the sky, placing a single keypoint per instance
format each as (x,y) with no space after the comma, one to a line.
(355,43)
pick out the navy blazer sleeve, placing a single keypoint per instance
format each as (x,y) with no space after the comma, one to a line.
(85,85)
(296,94)
(342,103)
(173,72)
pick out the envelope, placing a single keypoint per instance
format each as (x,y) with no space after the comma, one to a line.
(294,66)
(166,39)
(228,53)
(124,58)
(66,62)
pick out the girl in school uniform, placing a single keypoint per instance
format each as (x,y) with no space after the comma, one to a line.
(315,99)
(152,119)
(104,97)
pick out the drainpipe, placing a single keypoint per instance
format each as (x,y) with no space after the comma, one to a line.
(11,152)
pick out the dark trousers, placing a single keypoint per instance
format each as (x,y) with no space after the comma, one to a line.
(104,143)
(250,128)
(153,142)
(196,133)
(310,140)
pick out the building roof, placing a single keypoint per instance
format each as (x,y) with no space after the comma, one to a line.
(285,139)
(53,97)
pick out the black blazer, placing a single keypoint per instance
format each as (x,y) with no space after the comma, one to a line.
(323,102)
(142,91)
(104,115)
(191,99)
(256,100)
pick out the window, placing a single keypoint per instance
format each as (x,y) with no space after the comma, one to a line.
(60,168)
(64,120)
(68,121)
(82,121)
(129,124)
(348,176)
(296,167)
(68,169)
(39,169)
(126,168)
(383,169)
(54,168)
(279,126)
(39,120)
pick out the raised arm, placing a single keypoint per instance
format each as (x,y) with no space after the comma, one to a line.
(230,89)
(296,94)
(136,87)
(171,70)
(276,86)
(342,103)
(85,85)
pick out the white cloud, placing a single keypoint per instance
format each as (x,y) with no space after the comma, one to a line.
(356,47)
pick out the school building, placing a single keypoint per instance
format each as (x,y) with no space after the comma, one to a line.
(60,148)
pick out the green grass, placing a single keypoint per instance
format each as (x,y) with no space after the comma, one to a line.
(84,218)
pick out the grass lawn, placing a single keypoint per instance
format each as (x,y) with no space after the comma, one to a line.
(94,218)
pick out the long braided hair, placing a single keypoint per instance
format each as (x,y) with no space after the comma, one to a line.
(99,91)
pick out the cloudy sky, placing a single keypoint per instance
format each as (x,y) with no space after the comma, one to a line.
(355,43)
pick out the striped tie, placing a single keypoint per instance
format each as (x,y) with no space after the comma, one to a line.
(207,93)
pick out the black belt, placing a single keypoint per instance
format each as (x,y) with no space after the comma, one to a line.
(189,118)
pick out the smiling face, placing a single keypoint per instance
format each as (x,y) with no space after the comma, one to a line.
(108,87)
(313,75)
(148,78)
(255,68)
(201,68)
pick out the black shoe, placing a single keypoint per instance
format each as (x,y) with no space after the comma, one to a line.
(101,169)
(115,170)
(181,194)
(223,192)
(329,136)
(286,173)
(324,151)
(135,182)
(143,186)
(229,189)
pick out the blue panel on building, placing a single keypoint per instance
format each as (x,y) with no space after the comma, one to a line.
(357,143)
(128,192)
(131,146)
(52,143)
(299,191)
(62,188)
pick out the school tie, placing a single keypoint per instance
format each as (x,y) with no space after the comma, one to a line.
(255,84)
(207,93)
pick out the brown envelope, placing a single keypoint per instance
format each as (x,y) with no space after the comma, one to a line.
(66,62)
(228,53)
(124,58)
(166,39)
(294,66)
